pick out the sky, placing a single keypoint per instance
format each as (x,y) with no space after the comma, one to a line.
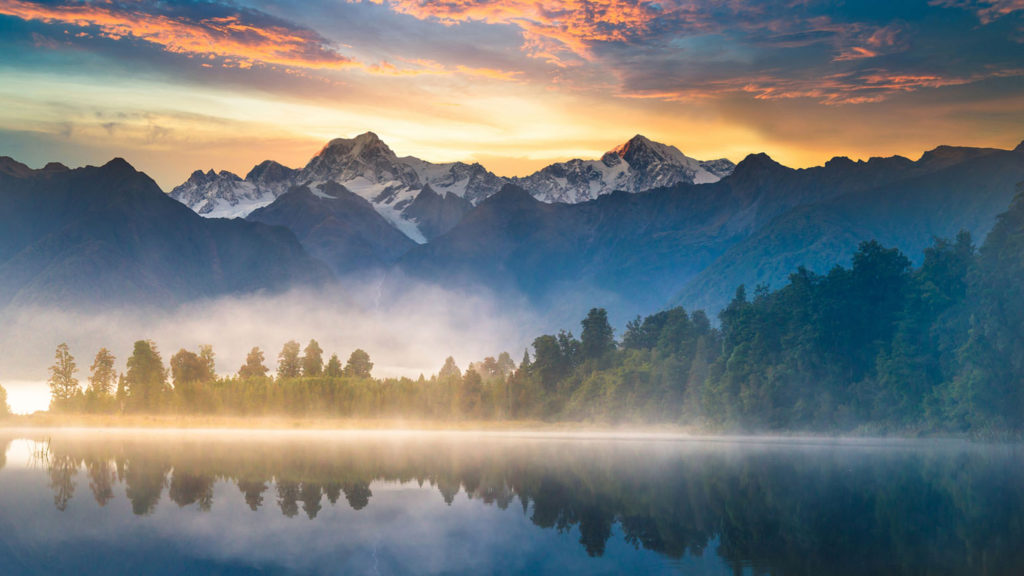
(513,84)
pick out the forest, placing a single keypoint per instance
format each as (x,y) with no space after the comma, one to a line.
(880,346)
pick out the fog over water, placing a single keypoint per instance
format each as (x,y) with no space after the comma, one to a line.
(329,502)
(408,331)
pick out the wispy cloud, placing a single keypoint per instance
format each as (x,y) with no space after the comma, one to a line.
(987,11)
(530,79)
(219,34)
(860,88)
(234,39)
(553,28)
(870,86)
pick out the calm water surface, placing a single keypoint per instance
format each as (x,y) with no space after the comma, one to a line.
(384,503)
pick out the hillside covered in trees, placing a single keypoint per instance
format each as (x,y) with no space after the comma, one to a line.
(880,346)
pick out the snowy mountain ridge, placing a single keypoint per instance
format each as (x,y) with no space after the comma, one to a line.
(366,166)
(224,195)
(635,166)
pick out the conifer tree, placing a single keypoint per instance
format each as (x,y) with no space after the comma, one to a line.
(146,381)
(313,359)
(63,384)
(103,377)
(288,363)
(597,338)
(334,369)
(206,357)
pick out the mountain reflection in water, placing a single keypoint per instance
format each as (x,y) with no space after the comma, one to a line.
(462,503)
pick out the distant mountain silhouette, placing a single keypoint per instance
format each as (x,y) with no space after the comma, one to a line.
(336,226)
(109,236)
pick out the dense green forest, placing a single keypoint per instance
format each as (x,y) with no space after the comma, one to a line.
(879,346)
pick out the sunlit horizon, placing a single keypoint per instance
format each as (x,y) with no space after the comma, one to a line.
(517,85)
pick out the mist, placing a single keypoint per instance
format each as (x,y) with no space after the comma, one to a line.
(408,331)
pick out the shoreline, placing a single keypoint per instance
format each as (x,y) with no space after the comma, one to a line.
(526,429)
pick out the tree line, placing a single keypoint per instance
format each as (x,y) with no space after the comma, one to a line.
(877,346)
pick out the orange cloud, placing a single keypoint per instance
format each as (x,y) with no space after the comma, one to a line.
(229,40)
(832,90)
(863,88)
(987,11)
(550,27)
(221,37)
(1000,8)
(854,53)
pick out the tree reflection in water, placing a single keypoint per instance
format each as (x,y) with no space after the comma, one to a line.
(775,509)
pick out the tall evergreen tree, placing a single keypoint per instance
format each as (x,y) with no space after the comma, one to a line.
(103,377)
(146,380)
(313,359)
(470,393)
(597,338)
(505,365)
(63,384)
(288,363)
(334,368)
(207,357)
(549,361)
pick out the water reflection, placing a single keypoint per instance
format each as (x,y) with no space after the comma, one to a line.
(761,509)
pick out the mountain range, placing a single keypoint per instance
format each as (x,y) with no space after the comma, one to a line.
(109,234)
(424,200)
(692,245)
(893,200)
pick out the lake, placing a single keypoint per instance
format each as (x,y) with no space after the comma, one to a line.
(235,502)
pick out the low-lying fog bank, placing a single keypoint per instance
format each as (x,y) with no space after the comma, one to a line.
(407,332)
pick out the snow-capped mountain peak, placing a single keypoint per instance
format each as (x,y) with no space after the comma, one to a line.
(637,165)
(364,160)
(365,146)
(366,166)
(211,175)
(640,150)
(270,173)
(225,195)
